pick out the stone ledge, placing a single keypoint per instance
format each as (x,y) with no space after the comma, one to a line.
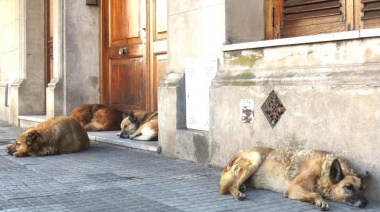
(367,74)
(111,138)
(30,121)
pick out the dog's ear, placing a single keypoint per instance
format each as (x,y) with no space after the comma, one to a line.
(364,179)
(32,135)
(336,173)
(132,117)
(125,115)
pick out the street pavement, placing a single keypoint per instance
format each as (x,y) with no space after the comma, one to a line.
(107,177)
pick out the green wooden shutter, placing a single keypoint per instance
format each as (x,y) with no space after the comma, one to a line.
(371,14)
(308,17)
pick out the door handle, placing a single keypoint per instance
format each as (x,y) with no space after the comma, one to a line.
(123,51)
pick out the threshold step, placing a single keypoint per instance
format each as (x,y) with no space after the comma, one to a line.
(111,138)
(30,120)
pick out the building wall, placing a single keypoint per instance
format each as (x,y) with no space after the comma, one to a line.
(81,50)
(329,85)
(31,91)
(330,91)
(240,16)
(9,46)
(196,31)
(76,57)
(21,58)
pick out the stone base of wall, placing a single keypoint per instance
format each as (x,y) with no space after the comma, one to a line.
(4,109)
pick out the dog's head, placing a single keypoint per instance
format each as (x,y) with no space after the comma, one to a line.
(24,143)
(347,188)
(129,125)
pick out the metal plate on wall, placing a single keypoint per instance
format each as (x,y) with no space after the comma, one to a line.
(198,76)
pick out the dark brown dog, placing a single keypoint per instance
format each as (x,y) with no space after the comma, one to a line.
(301,174)
(54,136)
(141,126)
(97,117)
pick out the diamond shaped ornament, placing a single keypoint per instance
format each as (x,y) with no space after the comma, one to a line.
(273,109)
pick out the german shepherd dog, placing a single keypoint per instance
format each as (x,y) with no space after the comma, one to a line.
(97,117)
(57,135)
(142,126)
(300,174)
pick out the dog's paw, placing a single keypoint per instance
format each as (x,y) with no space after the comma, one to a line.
(240,196)
(322,205)
(18,154)
(243,188)
(118,134)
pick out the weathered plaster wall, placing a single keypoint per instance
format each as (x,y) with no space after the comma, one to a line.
(22,58)
(196,31)
(76,60)
(244,21)
(9,49)
(81,51)
(31,99)
(9,39)
(330,91)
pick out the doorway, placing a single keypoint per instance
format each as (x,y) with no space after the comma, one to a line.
(133,52)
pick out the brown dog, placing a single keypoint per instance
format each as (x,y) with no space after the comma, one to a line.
(97,117)
(141,126)
(54,136)
(301,174)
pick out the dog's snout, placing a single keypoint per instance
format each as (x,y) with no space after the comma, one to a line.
(363,203)
(357,201)
(124,134)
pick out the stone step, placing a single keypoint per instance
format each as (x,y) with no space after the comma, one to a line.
(30,120)
(111,138)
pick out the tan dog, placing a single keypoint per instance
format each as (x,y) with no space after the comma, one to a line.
(97,117)
(54,136)
(141,126)
(300,174)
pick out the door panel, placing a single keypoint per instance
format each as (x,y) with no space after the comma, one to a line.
(130,77)
(160,19)
(124,20)
(129,93)
(159,70)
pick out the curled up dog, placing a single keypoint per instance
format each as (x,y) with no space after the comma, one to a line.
(97,117)
(300,174)
(57,135)
(142,126)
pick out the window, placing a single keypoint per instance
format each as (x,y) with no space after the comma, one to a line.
(370,14)
(291,18)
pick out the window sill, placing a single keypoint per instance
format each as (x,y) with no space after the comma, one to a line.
(366,33)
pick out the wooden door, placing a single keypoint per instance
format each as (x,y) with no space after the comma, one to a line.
(133,49)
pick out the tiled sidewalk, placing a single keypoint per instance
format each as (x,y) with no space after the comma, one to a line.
(110,178)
